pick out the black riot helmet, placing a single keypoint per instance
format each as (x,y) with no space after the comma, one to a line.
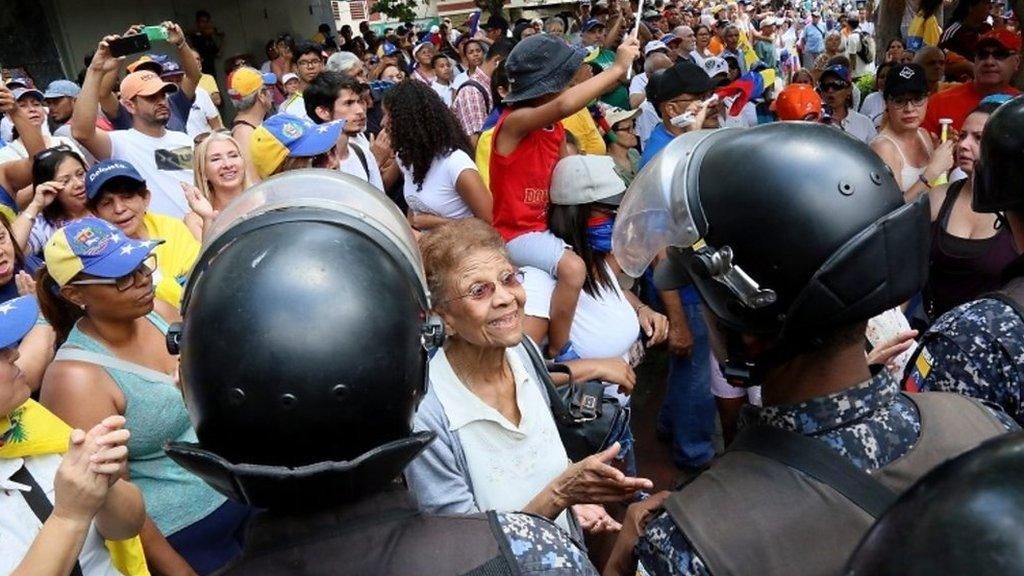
(999,172)
(787,230)
(304,344)
(964,517)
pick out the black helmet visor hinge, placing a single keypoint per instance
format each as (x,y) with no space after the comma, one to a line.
(720,267)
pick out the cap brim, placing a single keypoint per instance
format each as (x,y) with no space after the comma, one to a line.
(166,87)
(318,140)
(106,177)
(611,200)
(118,263)
(269,78)
(17,317)
(32,92)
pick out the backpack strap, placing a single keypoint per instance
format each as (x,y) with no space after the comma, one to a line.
(39,503)
(815,459)
(362,158)
(477,86)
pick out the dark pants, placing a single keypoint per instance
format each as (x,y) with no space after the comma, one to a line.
(212,542)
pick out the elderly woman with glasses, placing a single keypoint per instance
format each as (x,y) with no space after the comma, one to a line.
(97,291)
(903,144)
(497,447)
(118,194)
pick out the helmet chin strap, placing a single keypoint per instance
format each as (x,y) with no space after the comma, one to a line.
(743,369)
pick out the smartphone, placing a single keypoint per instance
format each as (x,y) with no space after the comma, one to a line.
(129,45)
(155,33)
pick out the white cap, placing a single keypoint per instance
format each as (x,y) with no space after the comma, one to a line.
(289,77)
(654,45)
(584,180)
(714,66)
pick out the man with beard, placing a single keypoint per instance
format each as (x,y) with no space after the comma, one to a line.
(163,157)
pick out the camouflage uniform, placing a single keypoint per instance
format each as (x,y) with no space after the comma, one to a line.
(975,349)
(871,424)
(540,547)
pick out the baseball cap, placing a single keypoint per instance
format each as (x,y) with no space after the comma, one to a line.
(144,83)
(20,93)
(714,66)
(654,46)
(17,317)
(905,79)
(669,39)
(614,114)
(16,82)
(283,135)
(683,78)
(651,15)
(796,102)
(591,24)
(1001,36)
(169,68)
(103,172)
(539,65)
(836,70)
(420,46)
(95,247)
(247,81)
(388,49)
(584,180)
(62,88)
(152,62)
(289,77)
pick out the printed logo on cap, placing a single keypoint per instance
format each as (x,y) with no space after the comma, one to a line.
(91,240)
(291,130)
(97,171)
(907,73)
(709,64)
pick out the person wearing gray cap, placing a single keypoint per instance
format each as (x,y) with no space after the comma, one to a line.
(60,98)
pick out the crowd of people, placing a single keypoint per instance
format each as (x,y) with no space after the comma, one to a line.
(803,204)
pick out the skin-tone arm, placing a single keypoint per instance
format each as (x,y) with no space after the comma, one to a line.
(614,25)
(42,196)
(523,121)
(680,340)
(215,123)
(193,73)
(86,486)
(108,102)
(475,194)
(635,100)
(83,120)
(82,394)
(613,370)
(35,353)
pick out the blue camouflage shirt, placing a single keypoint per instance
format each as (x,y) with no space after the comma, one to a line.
(975,349)
(871,424)
(541,547)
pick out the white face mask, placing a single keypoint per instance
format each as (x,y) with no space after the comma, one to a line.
(686,118)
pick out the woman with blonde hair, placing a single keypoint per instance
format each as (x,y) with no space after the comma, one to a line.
(220,177)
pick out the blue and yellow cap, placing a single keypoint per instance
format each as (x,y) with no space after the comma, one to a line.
(95,247)
(17,317)
(284,135)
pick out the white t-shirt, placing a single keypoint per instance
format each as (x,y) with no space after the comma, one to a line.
(508,464)
(859,67)
(747,117)
(164,162)
(19,526)
(445,92)
(296,106)
(354,165)
(16,150)
(438,195)
(859,126)
(646,122)
(638,85)
(874,108)
(203,110)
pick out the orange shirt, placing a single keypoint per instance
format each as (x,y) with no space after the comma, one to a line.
(956,103)
(716,46)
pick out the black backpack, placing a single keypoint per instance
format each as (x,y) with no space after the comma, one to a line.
(867,47)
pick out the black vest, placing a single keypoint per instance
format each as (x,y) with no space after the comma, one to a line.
(381,535)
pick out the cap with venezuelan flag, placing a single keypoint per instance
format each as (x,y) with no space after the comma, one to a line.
(96,247)
(283,135)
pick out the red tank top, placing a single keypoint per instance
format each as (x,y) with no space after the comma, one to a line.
(520,181)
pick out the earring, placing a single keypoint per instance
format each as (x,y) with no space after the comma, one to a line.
(82,306)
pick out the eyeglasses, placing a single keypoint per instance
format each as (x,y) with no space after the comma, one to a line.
(833,86)
(484,290)
(911,101)
(628,128)
(982,55)
(309,63)
(43,155)
(123,283)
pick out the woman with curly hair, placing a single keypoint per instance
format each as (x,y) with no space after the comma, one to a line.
(441,180)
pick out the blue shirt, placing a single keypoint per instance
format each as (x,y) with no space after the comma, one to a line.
(660,138)
(814,39)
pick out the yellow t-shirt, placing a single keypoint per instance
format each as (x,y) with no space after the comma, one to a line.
(483,155)
(206,82)
(174,258)
(582,126)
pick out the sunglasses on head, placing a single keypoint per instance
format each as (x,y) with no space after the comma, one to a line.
(43,155)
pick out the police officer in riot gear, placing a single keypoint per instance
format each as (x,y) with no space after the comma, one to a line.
(964,517)
(977,349)
(791,260)
(303,356)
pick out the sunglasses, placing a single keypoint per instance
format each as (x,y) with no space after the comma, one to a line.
(43,155)
(982,55)
(123,283)
(484,290)
(913,100)
(833,86)
(628,128)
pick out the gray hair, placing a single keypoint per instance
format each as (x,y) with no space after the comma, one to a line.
(343,62)
(653,63)
(247,102)
(833,34)
(678,30)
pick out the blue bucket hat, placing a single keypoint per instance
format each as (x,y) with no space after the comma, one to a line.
(539,65)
